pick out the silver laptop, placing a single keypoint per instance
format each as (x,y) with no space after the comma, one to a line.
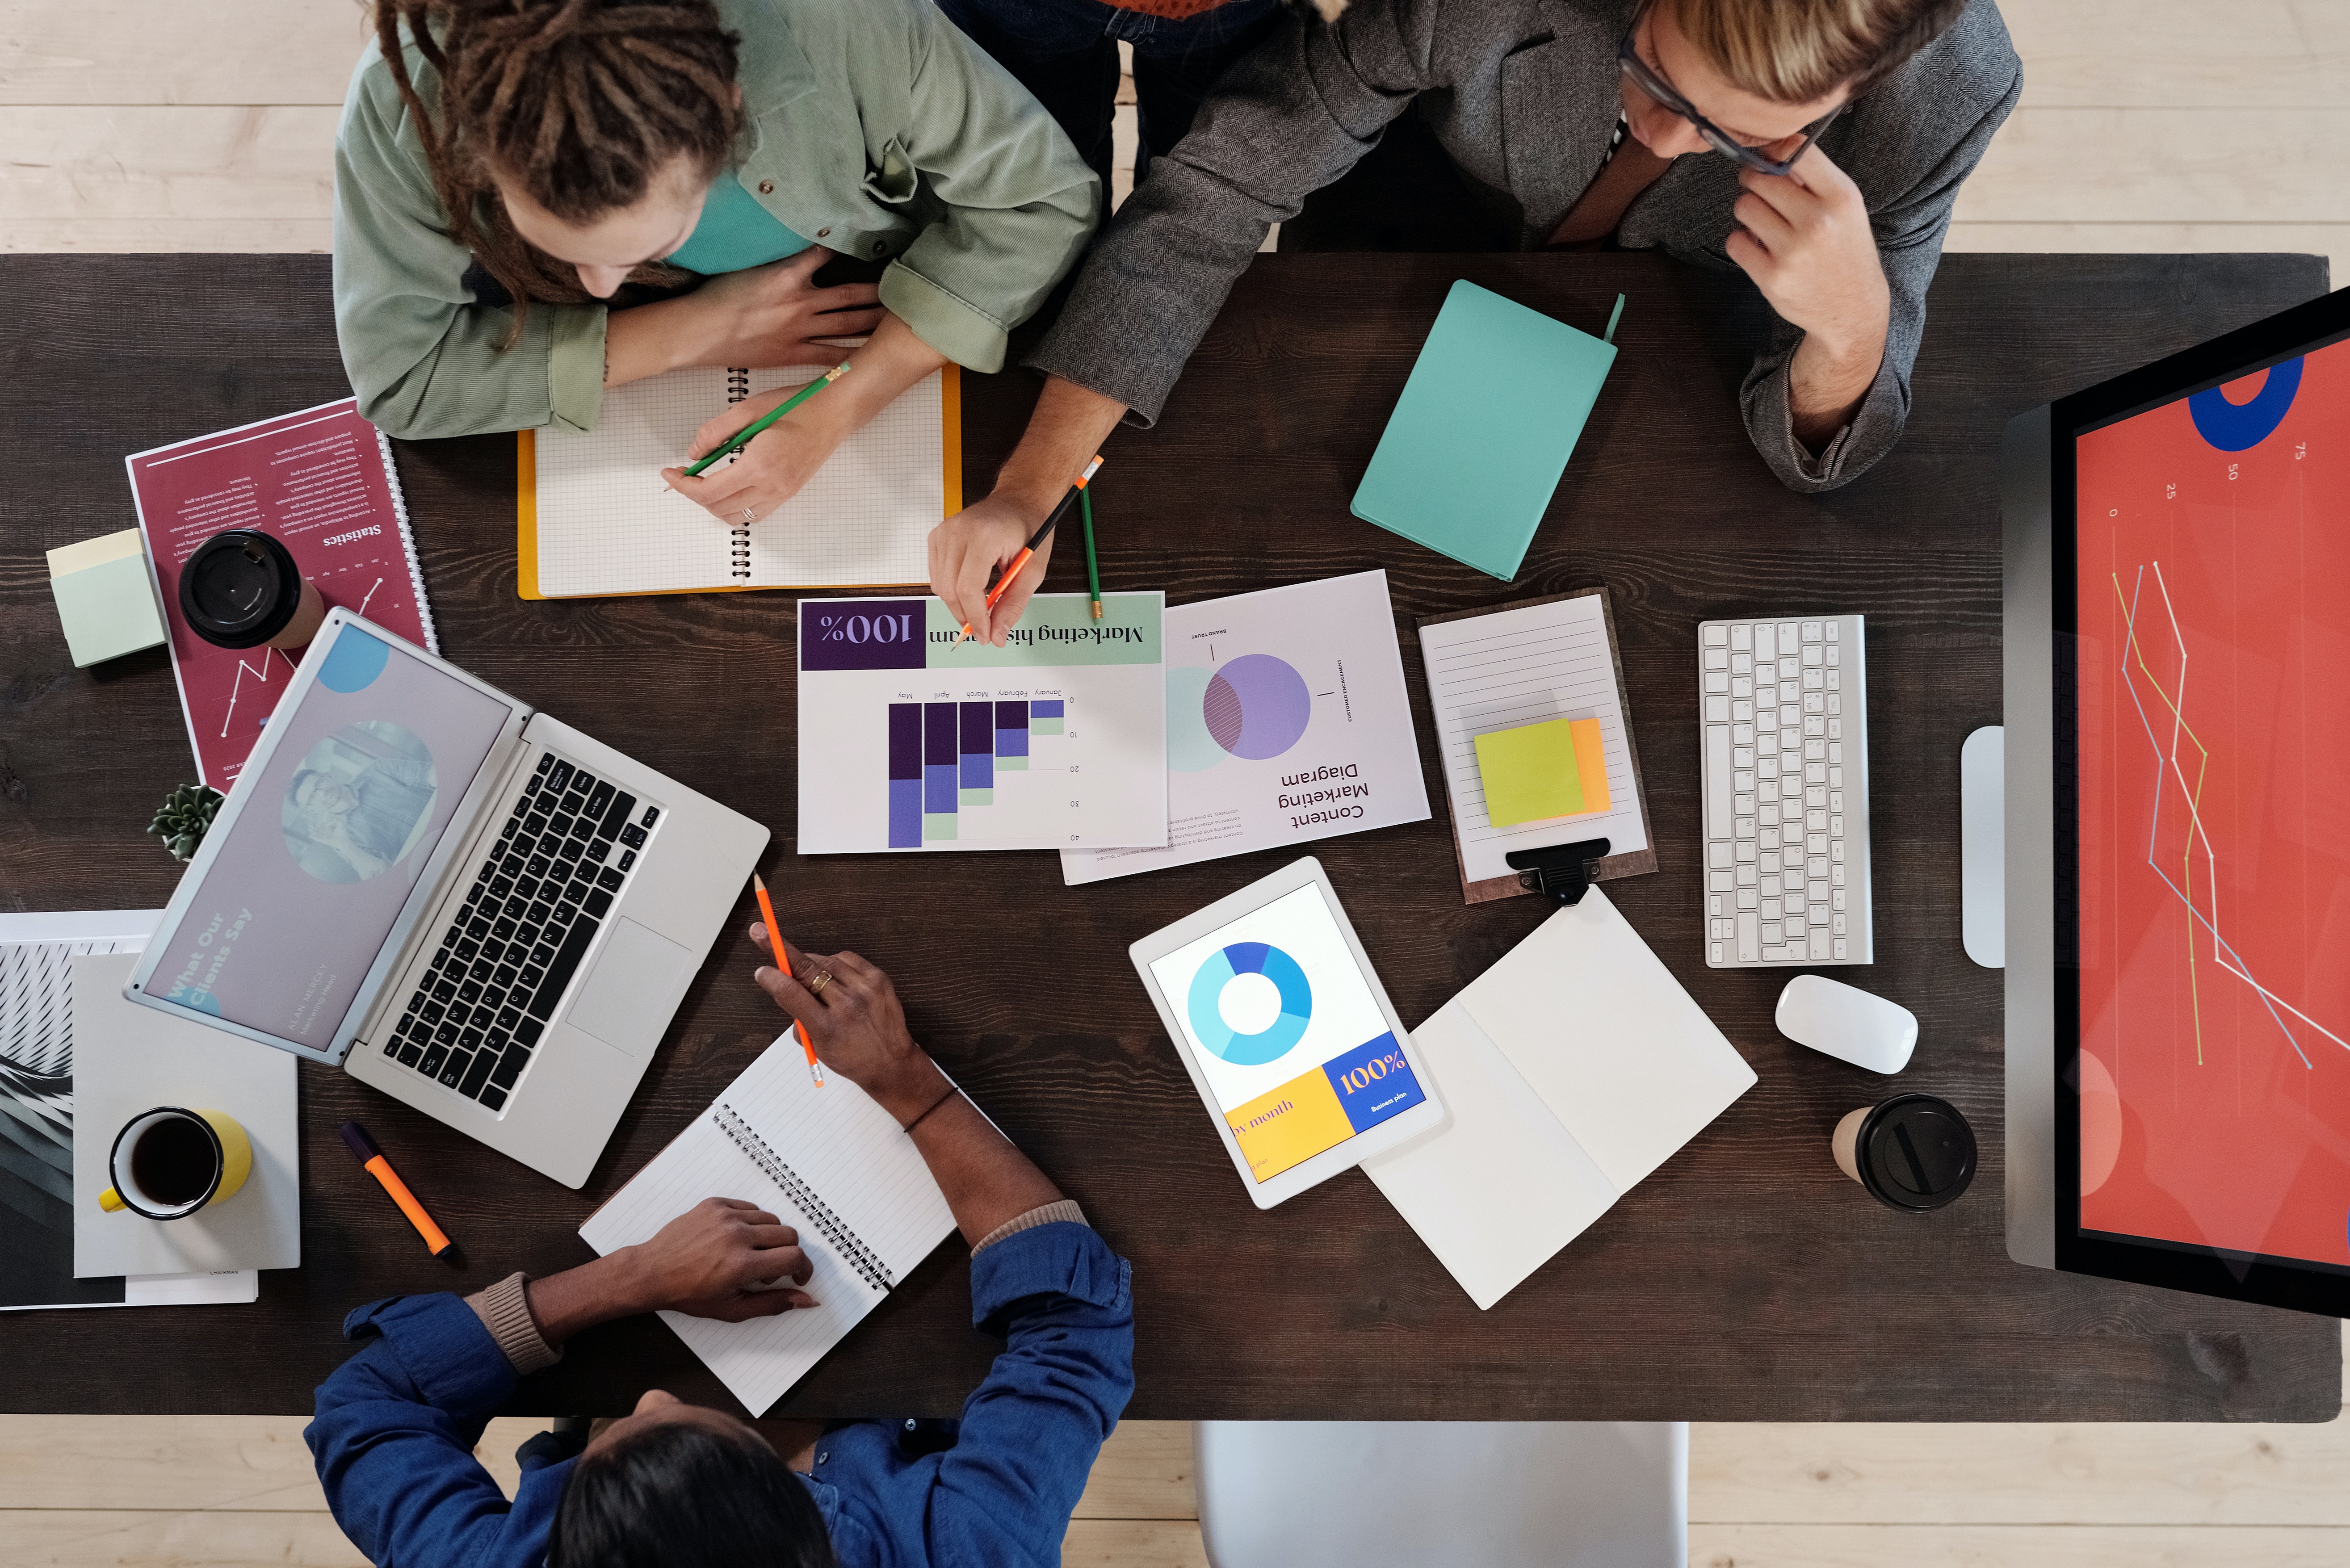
(475,908)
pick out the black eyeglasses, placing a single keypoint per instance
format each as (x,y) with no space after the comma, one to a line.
(1720,140)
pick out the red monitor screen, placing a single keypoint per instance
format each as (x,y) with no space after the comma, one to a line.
(2214,816)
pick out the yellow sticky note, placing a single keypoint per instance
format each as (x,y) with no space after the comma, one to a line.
(1530,773)
(1537,772)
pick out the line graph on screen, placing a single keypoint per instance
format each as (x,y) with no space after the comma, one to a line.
(2172,767)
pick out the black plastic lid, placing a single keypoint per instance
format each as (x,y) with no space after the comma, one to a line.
(240,588)
(1915,1153)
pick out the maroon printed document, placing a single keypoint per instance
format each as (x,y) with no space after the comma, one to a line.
(322,482)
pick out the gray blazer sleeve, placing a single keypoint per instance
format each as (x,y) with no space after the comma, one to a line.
(1288,120)
(1909,233)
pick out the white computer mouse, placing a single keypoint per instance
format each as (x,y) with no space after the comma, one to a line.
(1847,1023)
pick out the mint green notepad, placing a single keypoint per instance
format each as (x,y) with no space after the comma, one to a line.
(1478,439)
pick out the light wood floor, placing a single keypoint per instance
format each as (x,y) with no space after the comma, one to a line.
(2146,125)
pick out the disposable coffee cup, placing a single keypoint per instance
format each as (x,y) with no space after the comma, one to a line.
(1913,1152)
(242,589)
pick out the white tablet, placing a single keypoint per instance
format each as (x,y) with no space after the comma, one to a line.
(1287,1033)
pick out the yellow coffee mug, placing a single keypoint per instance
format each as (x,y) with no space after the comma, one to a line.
(170,1162)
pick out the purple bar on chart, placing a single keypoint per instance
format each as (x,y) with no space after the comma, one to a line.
(1046,710)
(939,761)
(1012,729)
(905,775)
(978,745)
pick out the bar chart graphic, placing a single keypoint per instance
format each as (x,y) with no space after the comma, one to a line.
(945,759)
(916,738)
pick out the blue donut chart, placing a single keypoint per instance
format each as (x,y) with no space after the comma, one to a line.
(1205,1003)
(2239,427)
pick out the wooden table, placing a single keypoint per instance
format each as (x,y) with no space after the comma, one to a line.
(1746,1280)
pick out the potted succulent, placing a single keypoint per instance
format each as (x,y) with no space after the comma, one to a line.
(183,817)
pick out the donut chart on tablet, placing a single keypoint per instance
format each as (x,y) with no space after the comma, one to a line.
(1228,965)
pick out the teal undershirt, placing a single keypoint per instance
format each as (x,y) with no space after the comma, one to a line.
(734,232)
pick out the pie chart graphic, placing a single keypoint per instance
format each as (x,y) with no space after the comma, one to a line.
(1257,707)
(1223,968)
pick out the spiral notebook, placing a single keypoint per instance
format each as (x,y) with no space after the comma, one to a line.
(593,518)
(828,1162)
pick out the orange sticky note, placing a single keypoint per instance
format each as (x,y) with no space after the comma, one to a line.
(1590,764)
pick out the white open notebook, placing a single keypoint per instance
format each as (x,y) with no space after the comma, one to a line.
(829,1163)
(596,519)
(1571,1069)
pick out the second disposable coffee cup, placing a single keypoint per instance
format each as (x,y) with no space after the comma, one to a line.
(242,589)
(1913,1152)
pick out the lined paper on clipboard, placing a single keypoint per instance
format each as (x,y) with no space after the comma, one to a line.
(1521,664)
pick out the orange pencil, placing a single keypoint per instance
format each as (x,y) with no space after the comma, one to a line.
(784,962)
(1028,551)
(372,1159)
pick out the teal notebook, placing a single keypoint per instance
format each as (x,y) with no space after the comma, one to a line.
(1482,433)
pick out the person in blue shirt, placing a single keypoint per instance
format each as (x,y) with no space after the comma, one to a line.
(683,1486)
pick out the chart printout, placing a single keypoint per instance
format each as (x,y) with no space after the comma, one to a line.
(910,740)
(322,482)
(2213,608)
(1287,722)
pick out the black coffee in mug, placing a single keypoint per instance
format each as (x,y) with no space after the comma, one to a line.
(174,1161)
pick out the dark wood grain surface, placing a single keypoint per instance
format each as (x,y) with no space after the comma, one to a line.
(1746,1280)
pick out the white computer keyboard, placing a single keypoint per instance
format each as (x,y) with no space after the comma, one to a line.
(1783,740)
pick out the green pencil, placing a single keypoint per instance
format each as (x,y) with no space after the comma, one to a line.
(1093,567)
(742,438)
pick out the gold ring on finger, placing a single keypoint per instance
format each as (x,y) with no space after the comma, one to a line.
(817,980)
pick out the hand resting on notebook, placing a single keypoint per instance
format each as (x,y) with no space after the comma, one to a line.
(723,1258)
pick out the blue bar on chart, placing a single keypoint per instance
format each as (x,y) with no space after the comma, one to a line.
(978,754)
(905,775)
(1011,737)
(941,766)
(1044,718)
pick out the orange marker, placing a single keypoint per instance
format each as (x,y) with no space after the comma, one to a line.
(380,1168)
(784,962)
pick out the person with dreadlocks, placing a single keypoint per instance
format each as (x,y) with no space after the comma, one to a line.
(535,200)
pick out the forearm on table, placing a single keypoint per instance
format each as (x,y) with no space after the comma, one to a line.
(531,1319)
(1067,429)
(986,1180)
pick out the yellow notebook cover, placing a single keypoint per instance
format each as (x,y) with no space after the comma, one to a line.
(592,518)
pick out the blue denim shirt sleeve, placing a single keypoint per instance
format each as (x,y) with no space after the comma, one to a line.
(1003,1495)
(393,1439)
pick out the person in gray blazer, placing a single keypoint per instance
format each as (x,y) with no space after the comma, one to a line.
(1815,145)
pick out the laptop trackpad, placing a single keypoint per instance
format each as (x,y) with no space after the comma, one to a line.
(632,992)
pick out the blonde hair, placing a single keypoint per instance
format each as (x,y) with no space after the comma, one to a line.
(1798,51)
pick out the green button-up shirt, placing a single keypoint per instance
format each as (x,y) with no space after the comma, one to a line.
(872,126)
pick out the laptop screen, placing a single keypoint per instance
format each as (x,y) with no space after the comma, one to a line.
(297,903)
(2212,601)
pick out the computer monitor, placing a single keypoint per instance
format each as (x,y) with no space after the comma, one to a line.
(2178,805)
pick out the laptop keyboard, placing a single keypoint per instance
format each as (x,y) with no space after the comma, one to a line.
(508,955)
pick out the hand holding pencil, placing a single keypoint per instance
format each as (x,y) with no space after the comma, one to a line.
(770,472)
(1028,551)
(853,1016)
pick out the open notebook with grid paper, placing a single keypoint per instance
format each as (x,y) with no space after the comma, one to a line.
(594,519)
(832,1165)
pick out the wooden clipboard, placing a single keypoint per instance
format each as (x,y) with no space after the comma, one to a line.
(1614,865)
